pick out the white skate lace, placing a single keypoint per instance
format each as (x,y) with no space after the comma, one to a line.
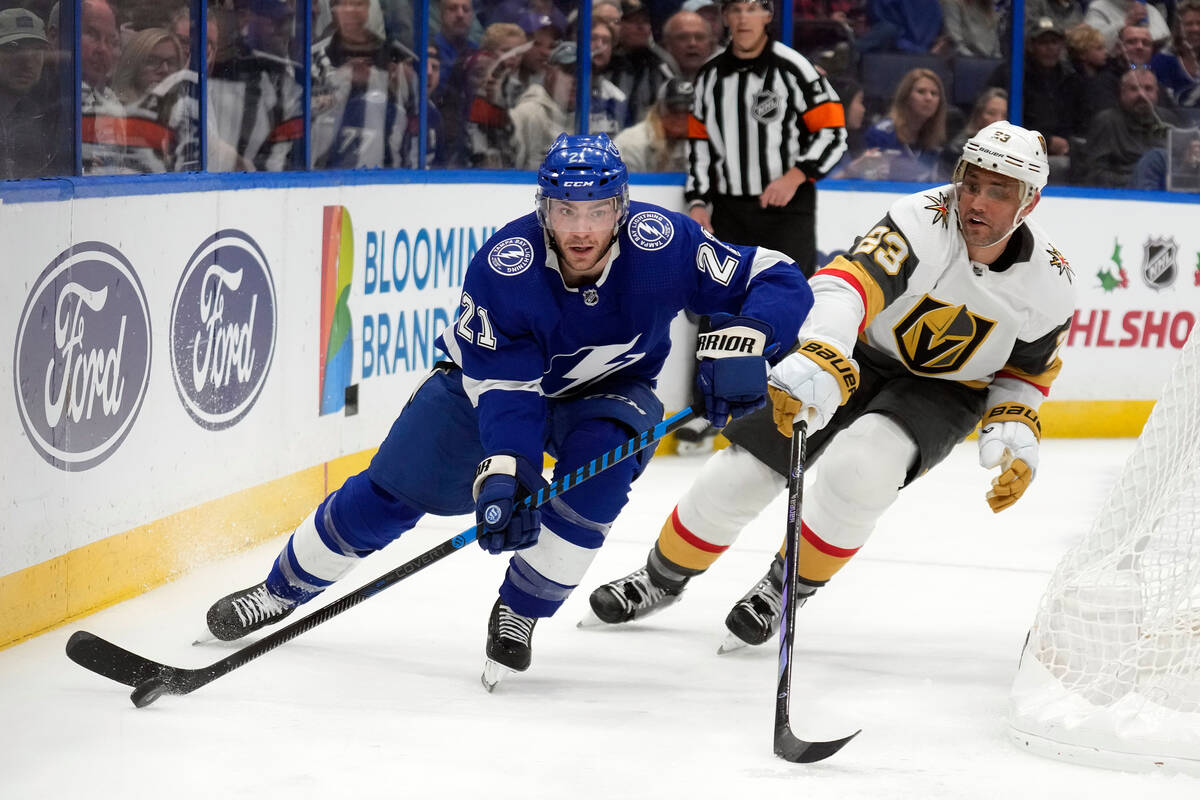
(258,605)
(512,625)
(645,593)
(770,604)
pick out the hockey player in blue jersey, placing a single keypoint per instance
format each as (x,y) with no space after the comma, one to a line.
(563,328)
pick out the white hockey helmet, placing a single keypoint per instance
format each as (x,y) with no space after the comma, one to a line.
(1009,150)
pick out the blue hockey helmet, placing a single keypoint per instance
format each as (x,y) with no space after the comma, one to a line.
(582,167)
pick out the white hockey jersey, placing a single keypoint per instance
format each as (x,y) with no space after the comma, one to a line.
(930,307)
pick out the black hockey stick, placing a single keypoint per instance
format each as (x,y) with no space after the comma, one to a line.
(787,745)
(152,679)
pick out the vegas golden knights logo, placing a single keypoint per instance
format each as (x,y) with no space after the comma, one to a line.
(936,338)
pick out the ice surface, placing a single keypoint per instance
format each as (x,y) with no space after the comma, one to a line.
(916,642)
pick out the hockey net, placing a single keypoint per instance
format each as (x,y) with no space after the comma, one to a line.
(1110,674)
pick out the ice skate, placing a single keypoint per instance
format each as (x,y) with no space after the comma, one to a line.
(755,618)
(509,644)
(245,611)
(633,597)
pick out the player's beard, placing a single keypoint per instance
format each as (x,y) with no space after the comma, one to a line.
(580,261)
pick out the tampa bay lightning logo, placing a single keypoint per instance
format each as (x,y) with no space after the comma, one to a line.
(492,514)
(651,230)
(512,256)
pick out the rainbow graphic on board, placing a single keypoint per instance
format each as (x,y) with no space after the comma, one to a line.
(337,272)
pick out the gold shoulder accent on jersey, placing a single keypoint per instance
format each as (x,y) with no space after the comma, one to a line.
(1043,378)
(858,277)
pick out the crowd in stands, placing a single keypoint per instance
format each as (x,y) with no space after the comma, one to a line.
(1113,85)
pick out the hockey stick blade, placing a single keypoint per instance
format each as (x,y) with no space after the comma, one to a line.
(152,679)
(791,748)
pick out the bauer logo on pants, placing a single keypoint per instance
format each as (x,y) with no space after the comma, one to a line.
(223,329)
(82,359)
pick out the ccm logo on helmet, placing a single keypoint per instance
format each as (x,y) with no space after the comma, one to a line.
(578,183)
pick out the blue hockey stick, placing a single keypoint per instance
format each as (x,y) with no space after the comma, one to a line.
(151,679)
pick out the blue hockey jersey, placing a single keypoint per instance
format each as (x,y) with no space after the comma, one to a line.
(522,335)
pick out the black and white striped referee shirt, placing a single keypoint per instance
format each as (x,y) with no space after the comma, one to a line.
(754,119)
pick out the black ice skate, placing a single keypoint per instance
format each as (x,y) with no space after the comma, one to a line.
(243,612)
(509,644)
(755,618)
(629,598)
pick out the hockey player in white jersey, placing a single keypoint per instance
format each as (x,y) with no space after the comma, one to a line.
(947,313)
(564,326)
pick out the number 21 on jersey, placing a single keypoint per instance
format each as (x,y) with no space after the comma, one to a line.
(486,337)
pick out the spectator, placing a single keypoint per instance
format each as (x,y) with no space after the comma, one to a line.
(1119,136)
(1179,71)
(973,27)
(148,58)
(659,142)
(543,36)
(453,39)
(1110,17)
(853,101)
(490,73)
(29,135)
(608,103)
(454,95)
(1065,13)
(640,67)
(359,95)
(255,99)
(1185,167)
(688,40)
(545,109)
(913,133)
(1088,55)
(103,116)
(991,106)
(907,26)
(410,147)
(710,12)
(1053,93)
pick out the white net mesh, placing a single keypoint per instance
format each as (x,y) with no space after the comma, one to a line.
(1111,671)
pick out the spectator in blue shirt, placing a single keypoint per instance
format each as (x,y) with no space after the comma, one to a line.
(914,131)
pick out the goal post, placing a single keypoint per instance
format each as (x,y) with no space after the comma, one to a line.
(1110,672)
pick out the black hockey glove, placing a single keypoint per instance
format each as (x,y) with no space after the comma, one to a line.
(731,378)
(502,481)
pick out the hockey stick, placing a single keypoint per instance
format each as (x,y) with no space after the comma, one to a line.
(152,679)
(787,745)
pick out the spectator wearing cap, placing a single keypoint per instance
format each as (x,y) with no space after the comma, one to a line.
(688,40)
(255,99)
(659,142)
(1065,13)
(640,67)
(546,109)
(710,12)
(973,27)
(544,35)
(1053,91)
(28,117)
(608,103)
(1111,16)
(1120,136)
(753,164)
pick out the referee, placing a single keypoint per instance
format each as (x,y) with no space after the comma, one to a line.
(766,125)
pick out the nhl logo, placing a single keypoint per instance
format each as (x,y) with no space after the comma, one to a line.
(767,107)
(590,296)
(1159,266)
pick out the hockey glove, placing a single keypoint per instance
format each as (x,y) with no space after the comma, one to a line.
(502,481)
(731,378)
(1009,439)
(811,384)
